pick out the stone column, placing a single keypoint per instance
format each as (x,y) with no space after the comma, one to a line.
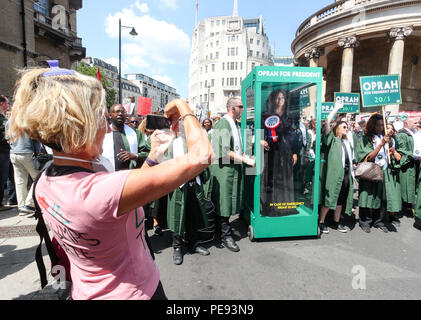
(349,44)
(312,55)
(397,35)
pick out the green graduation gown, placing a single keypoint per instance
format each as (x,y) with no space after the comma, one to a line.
(227,177)
(418,203)
(333,173)
(405,146)
(370,195)
(177,204)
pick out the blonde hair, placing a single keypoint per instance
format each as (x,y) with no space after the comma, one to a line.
(64,112)
(142,126)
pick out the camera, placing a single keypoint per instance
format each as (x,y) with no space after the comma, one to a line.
(157,122)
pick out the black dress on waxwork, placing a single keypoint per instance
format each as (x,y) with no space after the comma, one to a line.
(277,178)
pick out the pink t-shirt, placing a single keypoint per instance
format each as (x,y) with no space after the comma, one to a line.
(108,254)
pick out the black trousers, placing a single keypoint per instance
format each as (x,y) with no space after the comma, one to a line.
(224,226)
(159,293)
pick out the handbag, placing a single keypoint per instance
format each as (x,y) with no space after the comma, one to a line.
(369,171)
(40,155)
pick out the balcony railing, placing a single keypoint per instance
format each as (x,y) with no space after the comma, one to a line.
(333,10)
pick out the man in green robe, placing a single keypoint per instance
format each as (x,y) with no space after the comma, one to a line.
(227,170)
(124,147)
(407,176)
(188,212)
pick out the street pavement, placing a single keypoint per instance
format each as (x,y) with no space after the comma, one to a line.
(354,265)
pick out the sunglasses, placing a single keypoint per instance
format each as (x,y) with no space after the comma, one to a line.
(134,121)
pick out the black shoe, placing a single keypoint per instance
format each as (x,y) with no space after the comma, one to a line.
(202,251)
(12,204)
(157,230)
(417,223)
(395,221)
(230,244)
(323,228)
(365,228)
(382,228)
(177,256)
(341,228)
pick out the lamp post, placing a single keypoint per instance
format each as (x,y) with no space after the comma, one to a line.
(133,33)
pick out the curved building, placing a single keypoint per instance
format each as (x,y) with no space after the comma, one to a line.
(353,38)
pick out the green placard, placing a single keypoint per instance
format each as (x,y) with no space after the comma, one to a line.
(351,102)
(381,90)
(327,107)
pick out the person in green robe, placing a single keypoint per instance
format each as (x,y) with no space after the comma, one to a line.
(374,196)
(417,217)
(188,212)
(338,172)
(407,176)
(227,170)
(393,186)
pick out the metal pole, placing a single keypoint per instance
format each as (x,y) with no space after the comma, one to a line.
(119,62)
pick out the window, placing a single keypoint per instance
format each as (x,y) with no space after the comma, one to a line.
(241,65)
(212,82)
(231,81)
(233,51)
(252,65)
(212,23)
(257,54)
(206,69)
(206,97)
(217,55)
(235,81)
(43,6)
(236,51)
(258,42)
(217,22)
(236,66)
(213,67)
(222,81)
(211,56)
(251,53)
(217,43)
(212,97)
(232,65)
(223,66)
(251,41)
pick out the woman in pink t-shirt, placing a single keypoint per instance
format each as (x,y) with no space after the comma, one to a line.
(96,215)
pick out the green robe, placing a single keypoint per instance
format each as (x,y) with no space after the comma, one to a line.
(371,193)
(418,204)
(227,177)
(177,204)
(405,146)
(333,172)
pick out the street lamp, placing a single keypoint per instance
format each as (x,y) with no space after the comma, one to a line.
(133,33)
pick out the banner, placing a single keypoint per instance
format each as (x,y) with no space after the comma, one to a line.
(351,102)
(380,90)
(144,106)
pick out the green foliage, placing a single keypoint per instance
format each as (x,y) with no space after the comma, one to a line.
(110,92)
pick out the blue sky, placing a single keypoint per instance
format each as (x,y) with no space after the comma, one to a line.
(162,48)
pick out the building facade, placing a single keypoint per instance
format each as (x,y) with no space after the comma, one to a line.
(160,93)
(224,50)
(34,31)
(353,38)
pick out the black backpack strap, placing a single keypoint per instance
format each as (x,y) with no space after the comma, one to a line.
(42,231)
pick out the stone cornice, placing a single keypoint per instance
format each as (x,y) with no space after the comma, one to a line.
(324,33)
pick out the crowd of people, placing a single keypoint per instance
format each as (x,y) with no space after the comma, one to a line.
(110,175)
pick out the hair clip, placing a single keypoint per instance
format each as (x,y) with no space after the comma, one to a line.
(56,70)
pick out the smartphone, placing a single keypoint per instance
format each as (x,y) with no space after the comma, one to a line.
(157,122)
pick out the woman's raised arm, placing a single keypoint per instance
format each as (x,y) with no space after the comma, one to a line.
(150,183)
